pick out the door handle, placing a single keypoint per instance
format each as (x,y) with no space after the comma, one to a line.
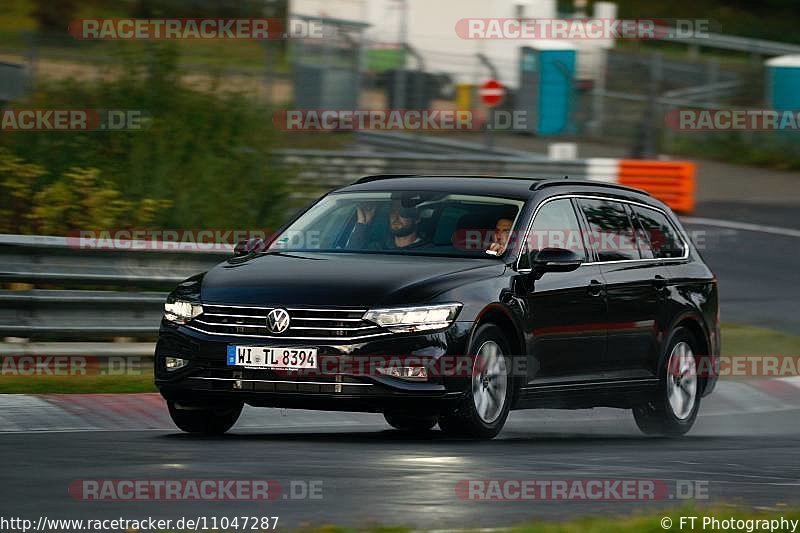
(595,288)
(660,283)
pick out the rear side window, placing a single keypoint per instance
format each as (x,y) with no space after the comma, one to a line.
(610,230)
(659,232)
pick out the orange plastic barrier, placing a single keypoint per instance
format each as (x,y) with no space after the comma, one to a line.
(672,182)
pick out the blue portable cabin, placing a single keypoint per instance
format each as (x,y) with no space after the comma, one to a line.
(546,92)
(783,83)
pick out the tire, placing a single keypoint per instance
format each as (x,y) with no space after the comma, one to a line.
(410,423)
(674,406)
(204,420)
(485,408)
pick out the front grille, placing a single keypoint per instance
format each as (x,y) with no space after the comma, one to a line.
(304,324)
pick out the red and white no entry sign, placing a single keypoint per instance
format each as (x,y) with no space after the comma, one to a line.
(492,93)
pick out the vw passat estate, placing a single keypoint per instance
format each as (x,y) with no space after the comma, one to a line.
(451,300)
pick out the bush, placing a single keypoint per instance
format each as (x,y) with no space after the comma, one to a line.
(205,154)
(79,199)
(52,17)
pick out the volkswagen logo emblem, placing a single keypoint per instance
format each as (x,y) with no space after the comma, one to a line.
(278,320)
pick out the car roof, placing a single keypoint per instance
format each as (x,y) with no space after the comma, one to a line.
(511,187)
(520,188)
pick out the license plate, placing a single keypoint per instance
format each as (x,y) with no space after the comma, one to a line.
(272,357)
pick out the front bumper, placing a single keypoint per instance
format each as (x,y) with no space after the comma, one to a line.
(340,384)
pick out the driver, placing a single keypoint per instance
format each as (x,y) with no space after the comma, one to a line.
(403,225)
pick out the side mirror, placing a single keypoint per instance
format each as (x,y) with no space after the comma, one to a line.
(250,246)
(556,260)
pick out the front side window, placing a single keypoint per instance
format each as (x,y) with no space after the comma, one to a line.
(660,235)
(404,222)
(555,226)
(610,230)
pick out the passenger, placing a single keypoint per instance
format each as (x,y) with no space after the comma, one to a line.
(502,230)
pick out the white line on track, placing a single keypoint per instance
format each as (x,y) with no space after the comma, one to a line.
(774,230)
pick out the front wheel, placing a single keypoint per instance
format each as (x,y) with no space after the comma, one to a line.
(483,412)
(673,408)
(204,420)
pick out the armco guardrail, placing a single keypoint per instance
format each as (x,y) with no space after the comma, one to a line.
(80,314)
(321,170)
(83,314)
(70,261)
(416,143)
(729,42)
(142,350)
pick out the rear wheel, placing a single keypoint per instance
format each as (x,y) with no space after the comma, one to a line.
(204,420)
(410,423)
(483,412)
(673,409)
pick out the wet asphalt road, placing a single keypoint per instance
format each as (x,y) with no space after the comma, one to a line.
(758,272)
(368,473)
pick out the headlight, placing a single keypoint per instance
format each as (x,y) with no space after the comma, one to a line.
(409,319)
(181,312)
(175,363)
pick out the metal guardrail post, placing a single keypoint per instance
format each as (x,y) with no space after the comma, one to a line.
(486,62)
(595,126)
(494,73)
(420,82)
(400,77)
(646,144)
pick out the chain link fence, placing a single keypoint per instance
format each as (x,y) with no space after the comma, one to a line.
(624,98)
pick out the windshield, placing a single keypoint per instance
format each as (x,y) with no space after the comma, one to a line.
(404,222)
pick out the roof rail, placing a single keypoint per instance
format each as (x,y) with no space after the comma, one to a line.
(553,183)
(376,177)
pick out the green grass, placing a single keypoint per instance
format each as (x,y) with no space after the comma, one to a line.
(768,149)
(738,339)
(77,384)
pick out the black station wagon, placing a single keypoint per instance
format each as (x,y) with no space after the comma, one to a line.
(451,300)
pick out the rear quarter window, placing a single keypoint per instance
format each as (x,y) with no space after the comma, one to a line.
(659,232)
